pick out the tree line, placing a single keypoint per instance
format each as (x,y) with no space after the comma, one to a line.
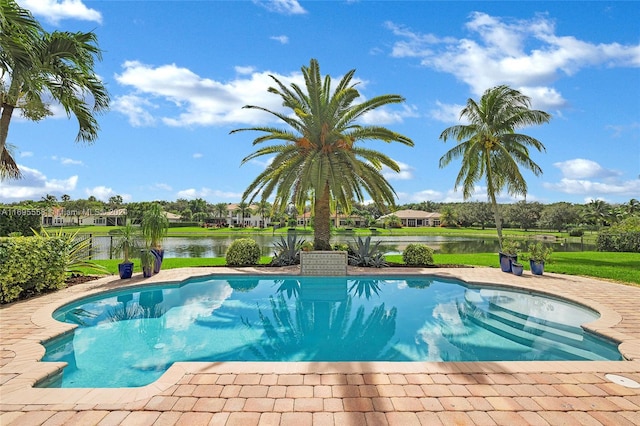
(523,215)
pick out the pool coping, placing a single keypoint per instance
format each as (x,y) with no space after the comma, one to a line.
(24,369)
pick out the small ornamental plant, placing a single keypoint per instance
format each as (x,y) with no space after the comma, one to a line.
(539,253)
(510,246)
(417,254)
(243,252)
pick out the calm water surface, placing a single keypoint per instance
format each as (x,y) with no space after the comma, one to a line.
(216,246)
(130,337)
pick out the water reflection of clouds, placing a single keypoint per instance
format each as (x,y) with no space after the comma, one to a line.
(197,301)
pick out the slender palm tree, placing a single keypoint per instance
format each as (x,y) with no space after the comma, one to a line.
(243,210)
(37,66)
(491,149)
(221,210)
(320,156)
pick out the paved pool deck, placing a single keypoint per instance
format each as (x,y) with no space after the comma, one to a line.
(350,393)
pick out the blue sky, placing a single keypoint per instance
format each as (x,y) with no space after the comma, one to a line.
(179,73)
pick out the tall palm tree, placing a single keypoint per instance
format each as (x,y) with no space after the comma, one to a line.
(221,210)
(243,210)
(264,210)
(320,156)
(491,149)
(36,66)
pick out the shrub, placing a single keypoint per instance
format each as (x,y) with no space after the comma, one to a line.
(243,252)
(417,254)
(19,220)
(363,253)
(620,242)
(31,265)
(576,232)
(341,247)
(287,251)
(623,237)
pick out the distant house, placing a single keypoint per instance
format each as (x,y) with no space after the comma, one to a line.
(340,220)
(250,219)
(173,218)
(415,218)
(59,216)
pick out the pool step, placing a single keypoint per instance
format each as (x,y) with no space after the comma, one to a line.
(538,336)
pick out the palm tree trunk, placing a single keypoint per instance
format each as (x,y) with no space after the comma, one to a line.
(322,228)
(492,198)
(8,166)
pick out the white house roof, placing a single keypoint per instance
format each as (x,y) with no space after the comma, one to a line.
(413,214)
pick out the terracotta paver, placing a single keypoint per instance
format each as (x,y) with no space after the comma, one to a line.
(384,393)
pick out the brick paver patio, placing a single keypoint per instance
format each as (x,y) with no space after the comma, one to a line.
(298,394)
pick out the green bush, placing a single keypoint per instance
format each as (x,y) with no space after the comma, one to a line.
(619,242)
(622,237)
(418,255)
(243,252)
(576,232)
(31,265)
(19,220)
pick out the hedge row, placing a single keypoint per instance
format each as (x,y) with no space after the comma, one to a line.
(19,220)
(622,241)
(31,265)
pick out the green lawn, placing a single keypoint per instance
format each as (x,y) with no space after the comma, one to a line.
(621,267)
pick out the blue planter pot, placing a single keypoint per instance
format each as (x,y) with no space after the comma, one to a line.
(125,270)
(537,268)
(506,260)
(159,255)
(517,269)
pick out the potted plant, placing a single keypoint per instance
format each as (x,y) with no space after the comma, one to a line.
(508,253)
(125,243)
(538,255)
(154,228)
(147,260)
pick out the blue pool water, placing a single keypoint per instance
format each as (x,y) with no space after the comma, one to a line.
(130,337)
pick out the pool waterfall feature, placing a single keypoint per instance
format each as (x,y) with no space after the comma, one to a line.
(295,318)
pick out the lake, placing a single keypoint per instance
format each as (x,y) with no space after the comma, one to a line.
(216,246)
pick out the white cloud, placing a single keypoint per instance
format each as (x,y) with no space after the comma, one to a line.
(199,101)
(525,54)
(67,161)
(447,113)
(405,173)
(244,70)
(586,177)
(192,193)
(282,39)
(134,107)
(163,186)
(182,98)
(620,129)
(384,116)
(197,155)
(34,185)
(595,189)
(101,193)
(26,154)
(285,7)
(56,10)
(580,168)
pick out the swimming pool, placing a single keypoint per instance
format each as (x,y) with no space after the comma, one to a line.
(130,337)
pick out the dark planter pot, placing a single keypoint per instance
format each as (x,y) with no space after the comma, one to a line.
(147,271)
(159,255)
(517,269)
(537,268)
(506,260)
(125,270)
